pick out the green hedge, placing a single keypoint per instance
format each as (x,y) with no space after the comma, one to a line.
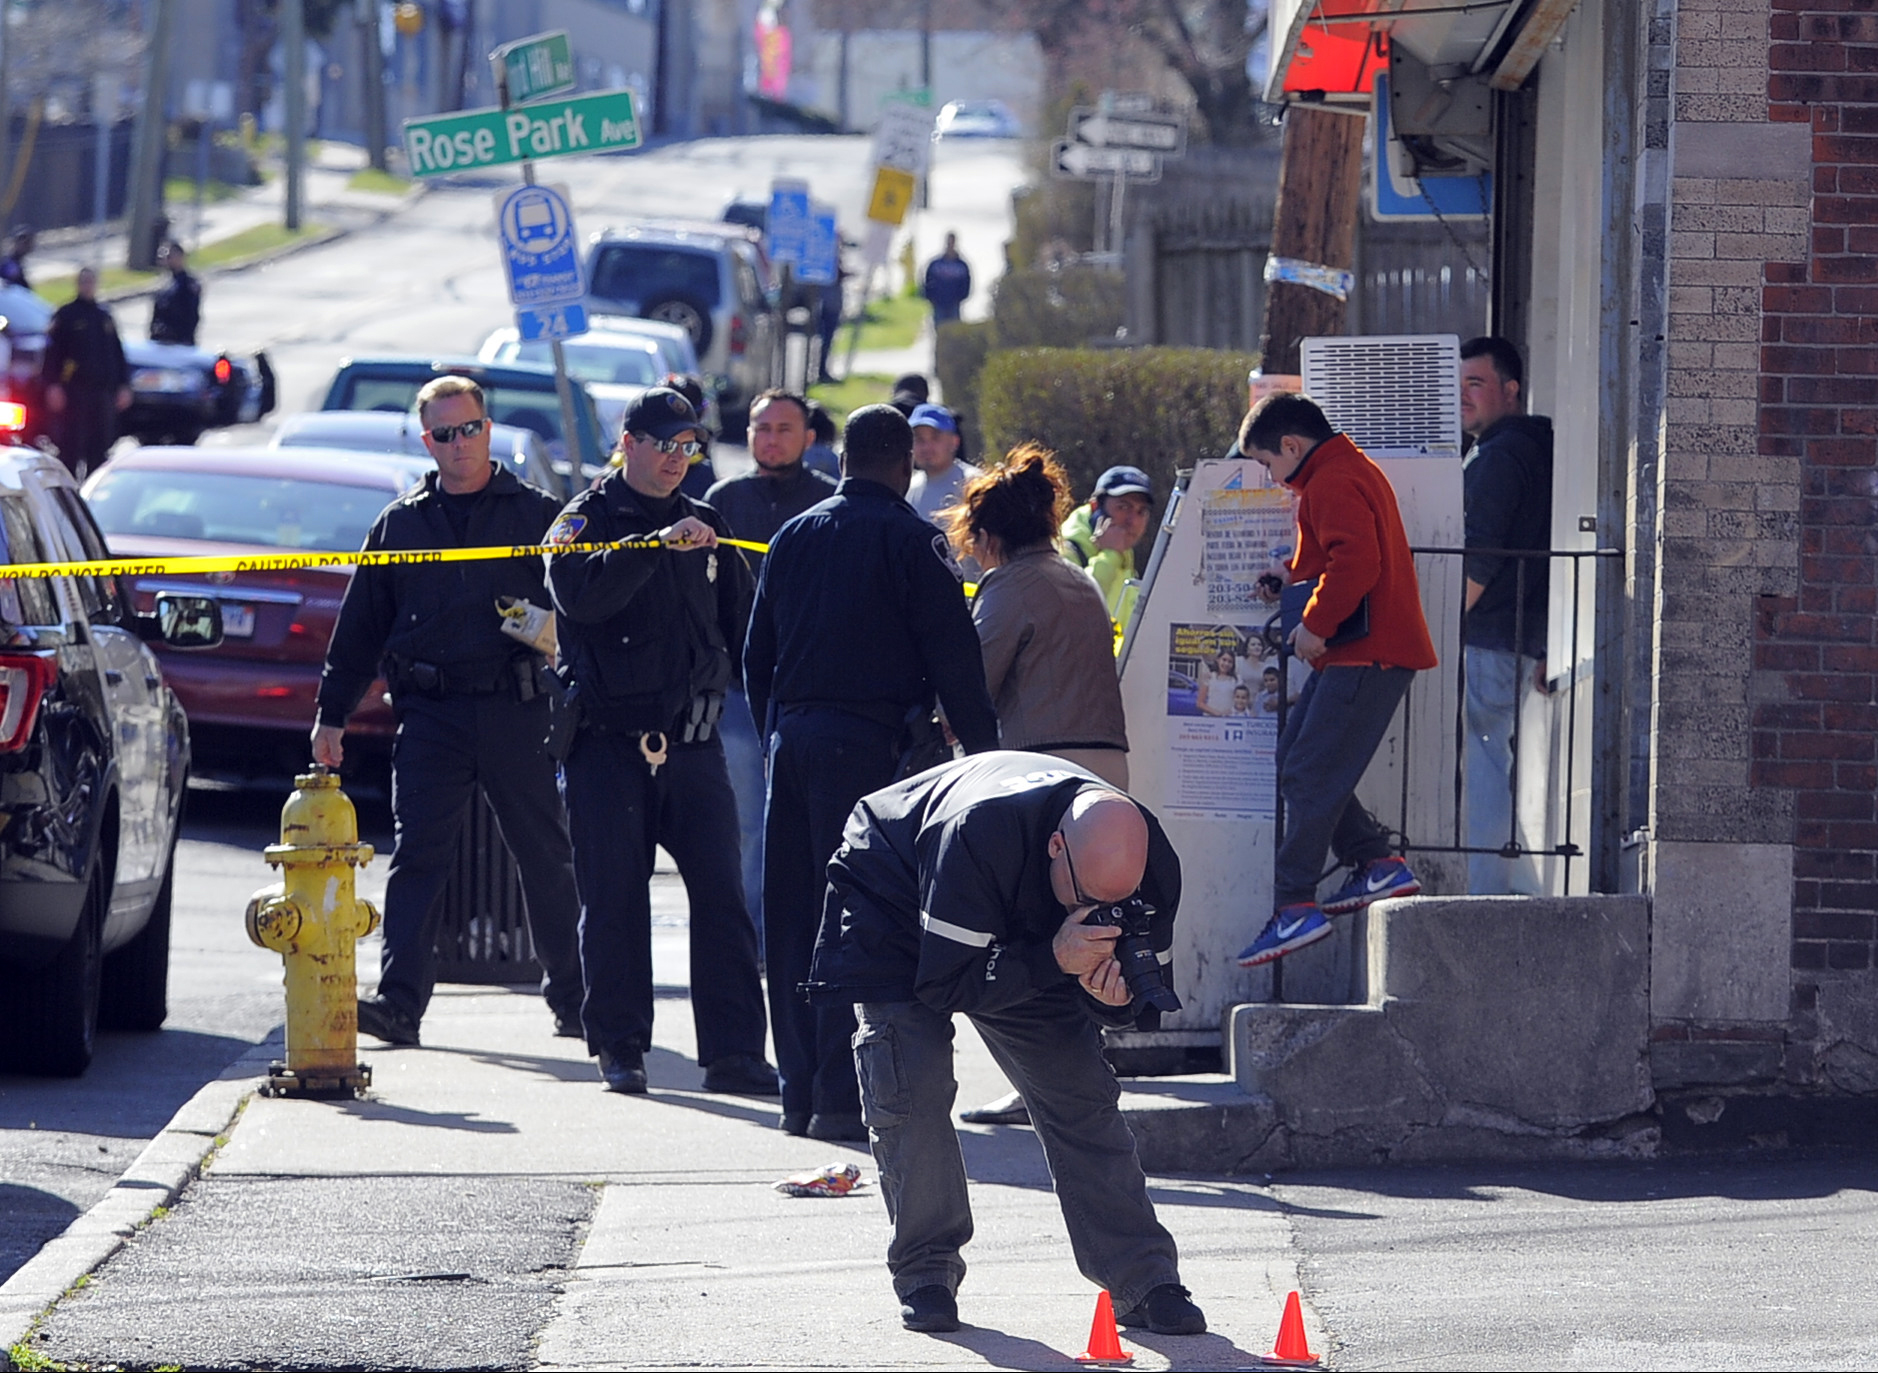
(1155,408)
(959,353)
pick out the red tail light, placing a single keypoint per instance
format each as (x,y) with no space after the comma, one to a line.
(224,369)
(739,335)
(12,417)
(24,678)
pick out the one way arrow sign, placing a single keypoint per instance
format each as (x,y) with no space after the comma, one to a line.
(1079,161)
(1156,133)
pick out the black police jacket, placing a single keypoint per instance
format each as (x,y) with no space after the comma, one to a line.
(940,891)
(83,349)
(439,614)
(177,310)
(645,631)
(860,606)
(757,505)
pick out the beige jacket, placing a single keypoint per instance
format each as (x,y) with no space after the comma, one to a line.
(1049,655)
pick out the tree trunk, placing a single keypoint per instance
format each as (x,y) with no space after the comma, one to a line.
(1320,182)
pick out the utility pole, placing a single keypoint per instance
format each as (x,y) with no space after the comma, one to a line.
(293,78)
(374,68)
(1320,183)
(146,180)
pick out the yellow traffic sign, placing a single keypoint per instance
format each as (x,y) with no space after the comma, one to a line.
(893,194)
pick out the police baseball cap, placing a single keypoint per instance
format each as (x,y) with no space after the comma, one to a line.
(662,413)
(933,417)
(1123,481)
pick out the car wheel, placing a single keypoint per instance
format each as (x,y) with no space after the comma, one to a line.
(57,1008)
(687,316)
(137,976)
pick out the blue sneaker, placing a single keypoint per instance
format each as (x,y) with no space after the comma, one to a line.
(1292,928)
(1377,880)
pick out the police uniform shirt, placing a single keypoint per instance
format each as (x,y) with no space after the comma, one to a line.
(860,604)
(943,888)
(645,630)
(83,350)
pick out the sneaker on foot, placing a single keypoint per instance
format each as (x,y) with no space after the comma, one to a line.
(1377,880)
(1290,929)
(743,1075)
(929,1308)
(382,1020)
(1167,1310)
(624,1072)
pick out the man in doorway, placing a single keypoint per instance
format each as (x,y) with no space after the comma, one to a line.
(469,703)
(1507,494)
(755,506)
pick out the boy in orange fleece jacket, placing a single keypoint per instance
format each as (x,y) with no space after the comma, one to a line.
(1363,632)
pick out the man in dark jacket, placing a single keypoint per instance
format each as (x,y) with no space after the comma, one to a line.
(177,310)
(87,381)
(756,505)
(469,704)
(948,282)
(1507,493)
(966,889)
(860,619)
(650,634)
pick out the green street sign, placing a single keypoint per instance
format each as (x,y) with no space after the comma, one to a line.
(474,139)
(538,66)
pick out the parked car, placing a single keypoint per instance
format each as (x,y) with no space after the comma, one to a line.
(977,119)
(522,451)
(251,700)
(519,394)
(676,351)
(709,278)
(177,391)
(94,761)
(617,367)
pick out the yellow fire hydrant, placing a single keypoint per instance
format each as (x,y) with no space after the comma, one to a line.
(314,919)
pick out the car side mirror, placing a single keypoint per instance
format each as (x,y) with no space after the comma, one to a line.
(188,621)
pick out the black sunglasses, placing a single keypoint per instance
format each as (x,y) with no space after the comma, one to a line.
(449,433)
(690,447)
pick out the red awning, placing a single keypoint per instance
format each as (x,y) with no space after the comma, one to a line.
(1335,59)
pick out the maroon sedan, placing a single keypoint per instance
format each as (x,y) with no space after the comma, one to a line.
(251,701)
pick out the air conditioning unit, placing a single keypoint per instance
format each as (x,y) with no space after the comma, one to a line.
(1396,396)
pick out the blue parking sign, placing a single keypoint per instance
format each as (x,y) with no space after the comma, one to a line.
(540,249)
(821,257)
(787,227)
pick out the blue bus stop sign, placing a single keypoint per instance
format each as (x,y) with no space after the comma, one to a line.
(540,250)
(821,257)
(788,224)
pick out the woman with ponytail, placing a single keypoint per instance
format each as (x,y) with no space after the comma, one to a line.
(1048,645)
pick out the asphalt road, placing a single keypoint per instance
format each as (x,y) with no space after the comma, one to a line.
(428,281)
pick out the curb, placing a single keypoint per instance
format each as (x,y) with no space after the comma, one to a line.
(168,1164)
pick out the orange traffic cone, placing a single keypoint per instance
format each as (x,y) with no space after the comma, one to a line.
(1105,1345)
(1293,1350)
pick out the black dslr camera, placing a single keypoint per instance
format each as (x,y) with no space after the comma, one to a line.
(1133,950)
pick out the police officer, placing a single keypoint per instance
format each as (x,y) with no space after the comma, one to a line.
(756,505)
(650,636)
(177,310)
(87,381)
(469,705)
(859,619)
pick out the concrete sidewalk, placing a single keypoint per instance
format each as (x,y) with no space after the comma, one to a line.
(490,1206)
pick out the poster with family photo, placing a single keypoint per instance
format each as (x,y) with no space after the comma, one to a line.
(1222,721)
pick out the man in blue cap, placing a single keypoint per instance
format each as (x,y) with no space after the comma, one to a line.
(1101,536)
(939,476)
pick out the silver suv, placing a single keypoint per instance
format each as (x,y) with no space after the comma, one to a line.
(709,278)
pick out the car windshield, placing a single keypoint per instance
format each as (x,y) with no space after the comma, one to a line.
(277,512)
(318,431)
(594,362)
(539,411)
(645,272)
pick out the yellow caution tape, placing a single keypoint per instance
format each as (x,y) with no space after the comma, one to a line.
(290,562)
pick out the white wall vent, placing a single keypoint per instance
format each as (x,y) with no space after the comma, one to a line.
(1396,396)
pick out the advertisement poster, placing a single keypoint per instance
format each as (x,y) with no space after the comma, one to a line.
(1245,534)
(1222,722)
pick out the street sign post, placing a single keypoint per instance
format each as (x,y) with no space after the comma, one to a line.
(1080,162)
(821,257)
(540,250)
(787,225)
(474,140)
(893,192)
(552,322)
(537,66)
(903,138)
(1156,133)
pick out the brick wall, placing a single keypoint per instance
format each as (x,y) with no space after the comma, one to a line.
(1819,406)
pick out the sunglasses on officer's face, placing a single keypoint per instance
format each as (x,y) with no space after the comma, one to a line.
(690,447)
(449,433)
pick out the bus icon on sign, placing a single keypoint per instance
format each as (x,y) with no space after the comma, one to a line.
(534,222)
